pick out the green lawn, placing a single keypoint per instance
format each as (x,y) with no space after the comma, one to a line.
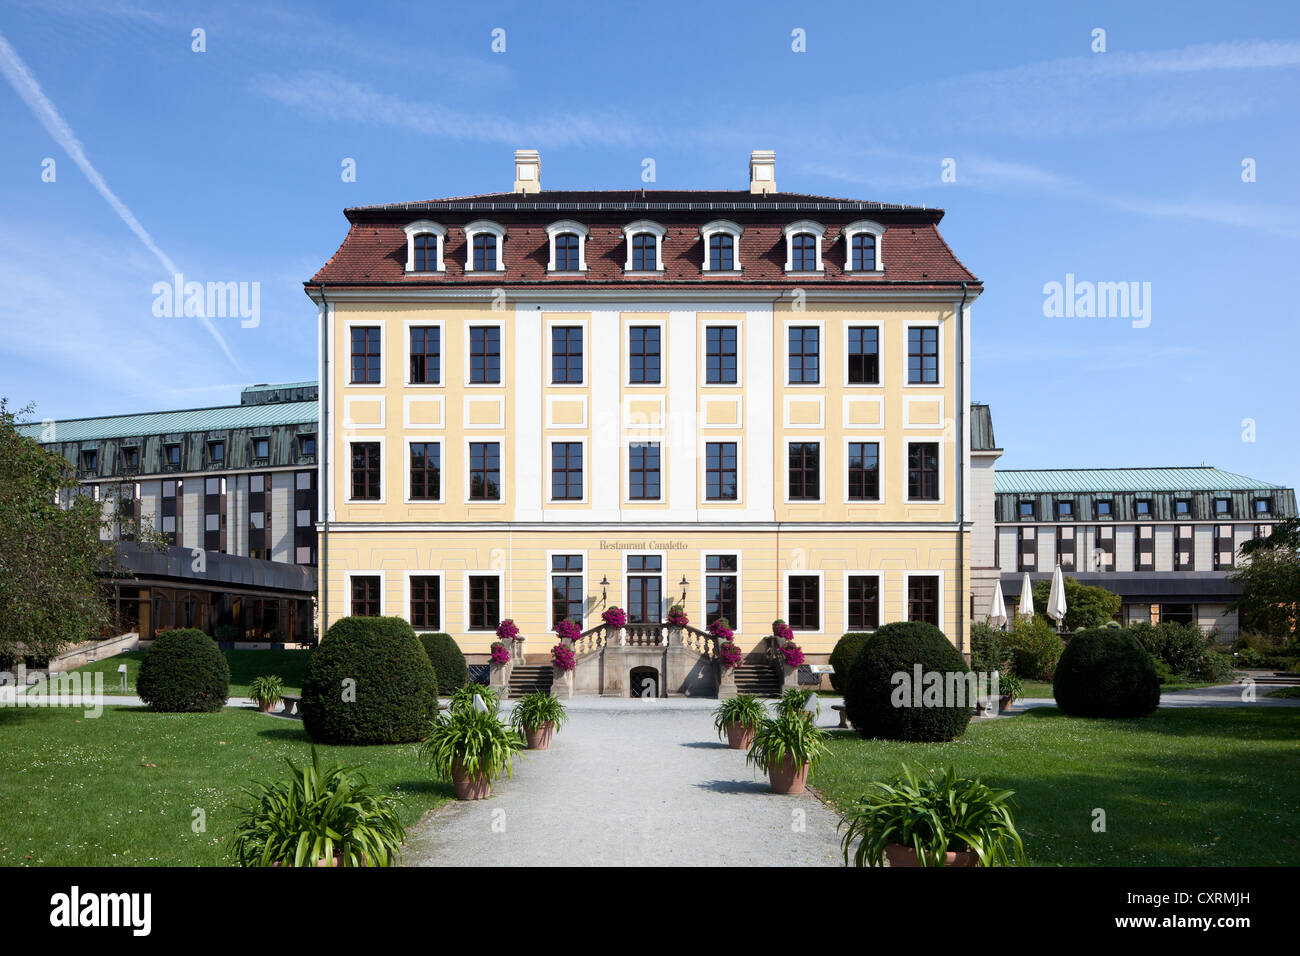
(1186,787)
(121,789)
(1042,688)
(290,666)
(1291,691)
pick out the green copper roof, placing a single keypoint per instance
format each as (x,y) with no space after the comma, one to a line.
(169,423)
(1192,478)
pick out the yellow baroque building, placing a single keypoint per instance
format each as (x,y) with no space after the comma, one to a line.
(538,404)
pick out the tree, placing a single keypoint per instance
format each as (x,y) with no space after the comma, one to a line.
(1085,606)
(1270,582)
(50,593)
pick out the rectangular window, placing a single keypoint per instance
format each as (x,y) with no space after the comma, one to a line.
(426,355)
(923,598)
(485,355)
(645,252)
(643,471)
(864,252)
(566,471)
(864,355)
(722,248)
(1184,550)
(1104,550)
(864,602)
(566,588)
(131,457)
(365,355)
(216,453)
(365,471)
(720,471)
(1225,551)
(307,446)
(484,471)
(426,471)
(261,450)
(365,595)
(1142,507)
(1103,509)
(721,586)
(1065,539)
(1183,507)
(644,589)
(484,602)
(864,471)
(566,355)
(1027,510)
(485,253)
(426,603)
(1027,549)
(804,602)
(804,482)
(169,511)
(804,355)
(720,355)
(172,455)
(214,514)
(1263,506)
(1258,531)
(1223,507)
(1144,548)
(643,355)
(259,517)
(90,460)
(923,471)
(923,355)
(304,517)
(1064,510)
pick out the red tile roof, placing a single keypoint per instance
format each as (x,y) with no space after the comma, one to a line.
(914,253)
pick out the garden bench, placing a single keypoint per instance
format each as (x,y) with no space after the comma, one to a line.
(292,703)
(844,715)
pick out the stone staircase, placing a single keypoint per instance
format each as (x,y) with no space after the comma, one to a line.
(529,679)
(758,678)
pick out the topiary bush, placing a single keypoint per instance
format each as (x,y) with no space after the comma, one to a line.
(1180,646)
(369,682)
(1106,673)
(988,652)
(846,649)
(448,661)
(882,707)
(184,672)
(1034,648)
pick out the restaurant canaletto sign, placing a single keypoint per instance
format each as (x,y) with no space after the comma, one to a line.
(643,545)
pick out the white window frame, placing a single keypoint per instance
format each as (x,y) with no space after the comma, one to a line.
(586,472)
(383,589)
(407,325)
(548,347)
(864,226)
(880,600)
(737,439)
(348,326)
(704,585)
(499,440)
(442,469)
(907,455)
(822,374)
(655,229)
(481,227)
(739,326)
(665,600)
(786,575)
(627,470)
(818,231)
(907,331)
(558,228)
(419,228)
(442,598)
(820,441)
(879,326)
(469,327)
(918,573)
(349,441)
(735,230)
(872,439)
(586,594)
(662,326)
(503,606)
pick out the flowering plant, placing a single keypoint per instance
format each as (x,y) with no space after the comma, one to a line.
(730,655)
(562,656)
(792,653)
(500,655)
(507,631)
(615,617)
(721,630)
(677,616)
(782,630)
(567,630)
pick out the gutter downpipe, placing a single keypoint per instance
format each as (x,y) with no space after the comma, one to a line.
(962,644)
(324,446)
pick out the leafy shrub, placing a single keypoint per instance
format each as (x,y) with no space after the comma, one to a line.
(743,709)
(463,697)
(184,671)
(448,661)
(1215,666)
(988,652)
(1248,657)
(1034,646)
(869,697)
(534,711)
(478,742)
(788,736)
(1163,673)
(845,650)
(228,632)
(316,815)
(266,690)
(1106,673)
(369,682)
(795,700)
(1086,606)
(1180,646)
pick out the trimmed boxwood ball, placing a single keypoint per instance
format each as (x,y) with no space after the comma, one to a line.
(870,696)
(1106,673)
(369,682)
(841,659)
(184,672)
(448,662)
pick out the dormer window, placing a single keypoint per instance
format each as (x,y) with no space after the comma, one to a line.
(568,247)
(644,242)
(721,246)
(862,240)
(424,247)
(485,247)
(803,247)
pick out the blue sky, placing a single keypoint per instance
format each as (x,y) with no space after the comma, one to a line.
(1117,166)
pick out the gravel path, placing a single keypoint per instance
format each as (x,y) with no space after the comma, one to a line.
(632,782)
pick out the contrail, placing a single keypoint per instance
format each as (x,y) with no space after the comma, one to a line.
(21,79)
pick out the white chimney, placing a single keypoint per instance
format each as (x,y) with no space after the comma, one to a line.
(762,171)
(528,171)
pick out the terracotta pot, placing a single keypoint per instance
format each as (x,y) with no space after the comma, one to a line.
(739,737)
(540,739)
(470,786)
(787,776)
(265,706)
(899,855)
(1005,702)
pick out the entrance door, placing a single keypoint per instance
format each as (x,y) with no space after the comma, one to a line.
(644,589)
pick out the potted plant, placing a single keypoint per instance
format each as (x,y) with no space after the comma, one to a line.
(470,748)
(330,817)
(508,632)
(563,658)
(730,655)
(267,691)
(1009,689)
(615,619)
(568,631)
(720,630)
(795,700)
(792,654)
(537,716)
(500,653)
(739,718)
(782,630)
(788,748)
(677,617)
(942,820)
(462,698)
